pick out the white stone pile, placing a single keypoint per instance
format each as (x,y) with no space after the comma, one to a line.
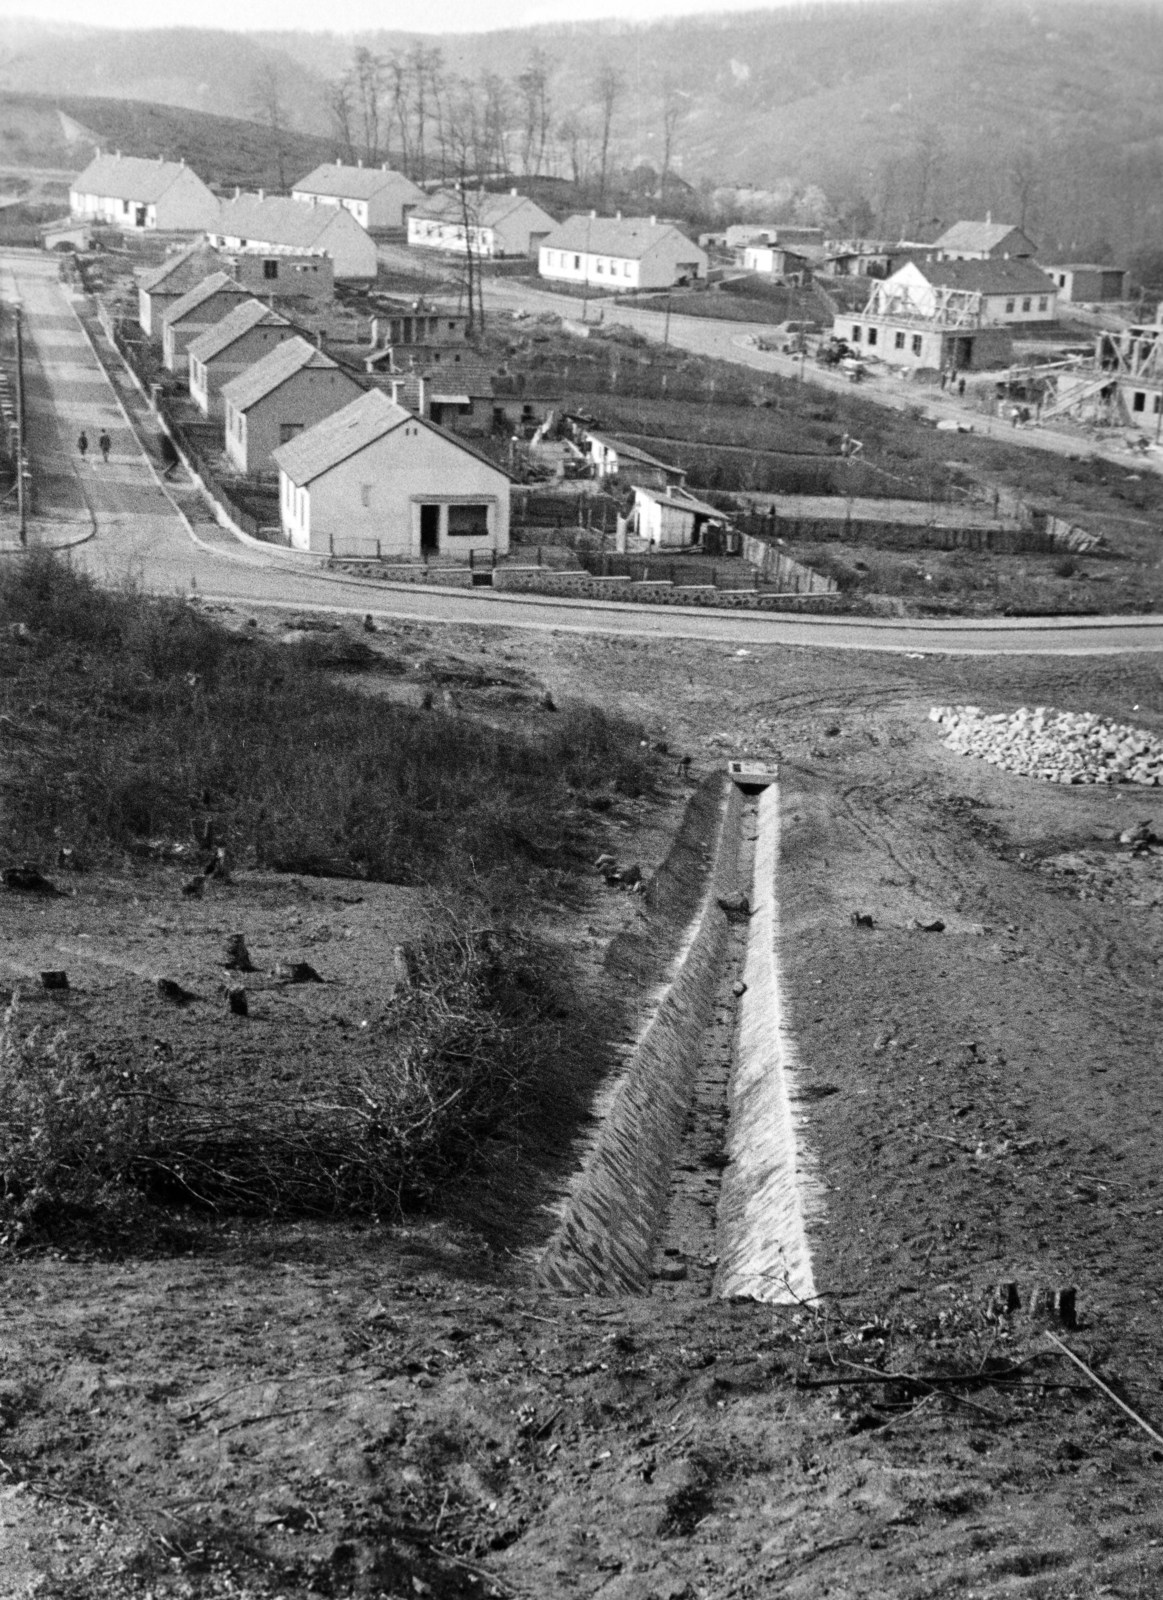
(1057,746)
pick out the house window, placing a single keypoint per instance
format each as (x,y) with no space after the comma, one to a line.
(270,269)
(468,522)
(1139,402)
(917,344)
(855,333)
(1062,280)
(1009,305)
(1027,303)
(1158,406)
(365,494)
(599,266)
(899,341)
(288,430)
(577,263)
(1043,302)
(872,335)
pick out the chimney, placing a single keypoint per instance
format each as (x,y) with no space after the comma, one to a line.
(262,194)
(384,167)
(359,163)
(594,215)
(653,222)
(339,161)
(237,192)
(119,155)
(513,190)
(375,333)
(617,216)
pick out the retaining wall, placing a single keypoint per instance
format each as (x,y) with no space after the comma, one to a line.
(614,1209)
(763,1249)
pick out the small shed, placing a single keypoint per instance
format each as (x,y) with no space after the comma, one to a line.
(1086,283)
(612,457)
(672,519)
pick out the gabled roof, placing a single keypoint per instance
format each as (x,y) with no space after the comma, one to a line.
(271,371)
(627,237)
(355,183)
(181,271)
(445,382)
(484,210)
(216,283)
(130,178)
(983,236)
(632,452)
(250,314)
(681,500)
(1009,275)
(279,220)
(339,437)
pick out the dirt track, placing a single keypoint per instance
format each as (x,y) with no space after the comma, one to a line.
(310,1411)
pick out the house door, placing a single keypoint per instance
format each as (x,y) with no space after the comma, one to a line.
(429,530)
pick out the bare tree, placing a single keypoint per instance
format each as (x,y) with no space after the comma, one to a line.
(369,79)
(397,75)
(463,136)
(928,159)
(1024,175)
(268,101)
(608,86)
(341,105)
(674,108)
(495,97)
(533,90)
(576,138)
(425,66)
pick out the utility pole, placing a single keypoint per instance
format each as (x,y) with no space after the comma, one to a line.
(666,327)
(22,509)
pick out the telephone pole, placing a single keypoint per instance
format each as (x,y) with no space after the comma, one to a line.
(21,506)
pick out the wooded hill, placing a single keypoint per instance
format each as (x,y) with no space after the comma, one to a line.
(898,110)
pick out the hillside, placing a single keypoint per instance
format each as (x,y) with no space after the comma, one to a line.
(898,110)
(39,131)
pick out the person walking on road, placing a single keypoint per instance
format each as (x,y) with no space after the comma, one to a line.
(83,444)
(106,444)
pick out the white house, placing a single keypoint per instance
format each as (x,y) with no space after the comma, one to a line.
(243,337)
(280,396)
(142,196)
(609,457)
(620,253)
(672,519)
(377,197)
(497,224)
(1008,290)
(255,221)
(376,480)
(204,305)
(983,241)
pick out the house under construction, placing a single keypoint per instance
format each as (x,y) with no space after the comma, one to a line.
(1121,385)
(933,326)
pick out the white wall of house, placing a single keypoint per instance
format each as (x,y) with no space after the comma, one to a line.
(372,503)
(659,267)
(996,309)
(442,233)
(663,524)
(303,400)
(187,206)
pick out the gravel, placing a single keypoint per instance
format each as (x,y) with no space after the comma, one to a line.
(1058,746)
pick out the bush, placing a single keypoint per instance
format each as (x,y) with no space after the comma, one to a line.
(151,720)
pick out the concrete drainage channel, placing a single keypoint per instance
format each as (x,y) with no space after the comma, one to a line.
(692,1176)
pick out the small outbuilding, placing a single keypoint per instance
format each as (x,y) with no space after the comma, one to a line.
(377,197)
(611,458)
(190,315)
(288,391)
(375,480)
(1085,283)
(672,519)
(243,337)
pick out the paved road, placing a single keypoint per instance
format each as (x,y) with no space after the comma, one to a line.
(142,538)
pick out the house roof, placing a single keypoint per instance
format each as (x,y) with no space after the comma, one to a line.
(484,210)
(339,437)
(1083,266)
(279,220)
(250,314)
(129,178)
(627,237)
(1007,276)
(459,378)
(216,283)
(354,183)
(681,500)
(181,271)
(271,371)
(632,452)
(976,236)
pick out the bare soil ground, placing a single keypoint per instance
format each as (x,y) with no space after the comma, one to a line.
(326,1410)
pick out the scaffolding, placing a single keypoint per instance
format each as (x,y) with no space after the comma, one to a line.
(935,306)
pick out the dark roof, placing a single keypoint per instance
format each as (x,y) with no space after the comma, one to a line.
(1011,275)
(983,236)
(181,271)
(271,371)
(250,314)
(216,283)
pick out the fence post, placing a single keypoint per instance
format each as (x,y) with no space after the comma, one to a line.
(379,552)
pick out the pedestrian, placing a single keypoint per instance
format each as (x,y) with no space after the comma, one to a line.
(944,379)
(106,444)
(961,388)
(83,444)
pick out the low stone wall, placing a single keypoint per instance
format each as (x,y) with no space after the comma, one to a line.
(763,1247)
(445,577)
(613,1212)
(587,586)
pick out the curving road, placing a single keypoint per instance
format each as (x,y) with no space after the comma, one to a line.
(133,530)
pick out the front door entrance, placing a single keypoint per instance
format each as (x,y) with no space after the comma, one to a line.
(429,530)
